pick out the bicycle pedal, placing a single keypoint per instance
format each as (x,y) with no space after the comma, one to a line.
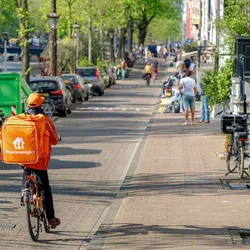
(22,204)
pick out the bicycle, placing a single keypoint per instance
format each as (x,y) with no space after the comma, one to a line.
(238,141)
(33,200)
(48,107)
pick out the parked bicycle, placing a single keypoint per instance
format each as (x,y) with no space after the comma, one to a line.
(33,200)
(236,127)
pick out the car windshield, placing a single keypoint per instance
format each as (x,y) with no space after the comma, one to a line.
(86,72)
(69,79)
(43,85)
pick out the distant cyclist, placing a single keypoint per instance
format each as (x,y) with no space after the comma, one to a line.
(149,69)
(156,67)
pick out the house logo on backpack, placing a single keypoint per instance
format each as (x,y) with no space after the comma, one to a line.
(19,143)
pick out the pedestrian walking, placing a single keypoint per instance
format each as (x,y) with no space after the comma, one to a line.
(123,67)
(188,88)
(193,66)
(182,71)
(165,53)
(205,112)
(146,54)
(187,62)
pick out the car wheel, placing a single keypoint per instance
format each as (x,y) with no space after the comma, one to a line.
(69,111)
(101,92)
(63,113)
(81,98)
(87,97)
(74,98)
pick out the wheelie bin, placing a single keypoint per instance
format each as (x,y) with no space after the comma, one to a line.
(14,92)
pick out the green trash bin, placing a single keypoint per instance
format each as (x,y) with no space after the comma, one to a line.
(14,92)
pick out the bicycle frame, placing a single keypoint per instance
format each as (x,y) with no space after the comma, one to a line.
(38,198)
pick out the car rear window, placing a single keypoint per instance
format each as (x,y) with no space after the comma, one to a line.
(43,85)
(69,79)
(86,72)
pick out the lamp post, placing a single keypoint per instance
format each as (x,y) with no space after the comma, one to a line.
(76,28)
(53,25)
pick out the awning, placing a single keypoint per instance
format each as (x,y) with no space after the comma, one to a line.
(193,53)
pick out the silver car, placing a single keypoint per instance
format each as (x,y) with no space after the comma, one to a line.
(80,91)
(92,74)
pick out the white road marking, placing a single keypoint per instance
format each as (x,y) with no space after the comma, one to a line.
(114,109)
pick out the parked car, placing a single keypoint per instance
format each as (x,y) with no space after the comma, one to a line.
(80,91)
(93,74)
(55,89)
(90,86)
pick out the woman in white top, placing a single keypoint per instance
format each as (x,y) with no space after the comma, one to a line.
(188,88)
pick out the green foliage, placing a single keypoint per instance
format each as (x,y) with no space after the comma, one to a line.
(235,22)
(190,48)
(84,62)
(218,83)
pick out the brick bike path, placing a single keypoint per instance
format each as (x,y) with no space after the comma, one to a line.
(174,199)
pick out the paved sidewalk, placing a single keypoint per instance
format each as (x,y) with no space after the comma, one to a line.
(174,199)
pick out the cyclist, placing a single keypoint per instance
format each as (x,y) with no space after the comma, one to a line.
(148,69)
(35,101)
(156,67)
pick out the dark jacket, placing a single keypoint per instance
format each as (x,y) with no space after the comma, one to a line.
(34,111)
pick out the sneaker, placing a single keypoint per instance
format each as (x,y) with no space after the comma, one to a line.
(54,223)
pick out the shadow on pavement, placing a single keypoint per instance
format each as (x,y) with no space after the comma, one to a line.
(176,183)
(73,151)
(167,236)
(58,164)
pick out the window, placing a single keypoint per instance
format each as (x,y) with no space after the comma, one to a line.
(87,72)
(43,85)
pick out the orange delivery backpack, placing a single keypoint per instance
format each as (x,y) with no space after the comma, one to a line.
(25,139)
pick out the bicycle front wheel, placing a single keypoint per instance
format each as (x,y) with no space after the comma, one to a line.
(241,163)
(31,214)
(48,108)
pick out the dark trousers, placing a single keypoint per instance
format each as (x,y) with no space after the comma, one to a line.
(48,199)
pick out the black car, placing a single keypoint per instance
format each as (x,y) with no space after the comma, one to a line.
(56,90)
(79,90)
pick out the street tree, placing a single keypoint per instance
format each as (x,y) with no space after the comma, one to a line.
(145,11)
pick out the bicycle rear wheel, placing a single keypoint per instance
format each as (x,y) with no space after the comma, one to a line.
(31,214)
(229,159)
(241,163)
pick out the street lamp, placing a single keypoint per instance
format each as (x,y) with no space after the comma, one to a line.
(76,28)
(53,25)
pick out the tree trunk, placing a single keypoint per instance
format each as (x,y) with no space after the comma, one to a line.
(101,41)
(70,22)
(90,34)
(142,33)
(111,42)
(130,34)
(24,27)
(122,43)
(53,44)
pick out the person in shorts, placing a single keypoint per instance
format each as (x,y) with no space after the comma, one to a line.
(188,89)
